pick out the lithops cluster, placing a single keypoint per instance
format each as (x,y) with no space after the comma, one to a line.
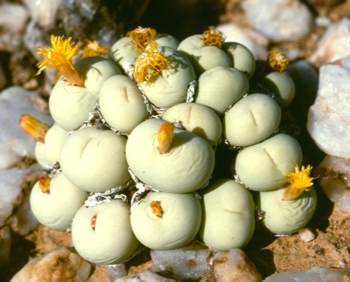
(132,151)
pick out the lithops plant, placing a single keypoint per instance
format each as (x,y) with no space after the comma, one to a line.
(55,201)
(251,120)
(265,166)
(94,159)
(121,103)
(102,234)
(128,48)
(81,102)
(242,59)
(164,75)
(229,215)
(132,151)
(286,217)
(169,159)
(198,119)
(205,50)
(165,220)
(229,82)
(282,85)
(96,70)
(289,209)
(50,140)
(49,152)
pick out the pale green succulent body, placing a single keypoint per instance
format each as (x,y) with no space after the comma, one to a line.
(265,166)
(57,207)
(94,160)
(251,120)
(110,239)
(198,119)
(176,226)
(187,167)
(228,216)
(286,217)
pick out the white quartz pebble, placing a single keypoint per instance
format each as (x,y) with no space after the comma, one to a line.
(279,20)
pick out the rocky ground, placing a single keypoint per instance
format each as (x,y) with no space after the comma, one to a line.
(315,35)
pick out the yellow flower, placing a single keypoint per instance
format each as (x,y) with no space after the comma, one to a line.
(277,60)
(150,64)
(299,181)
(60,56)
(92,48)
(141,37)
(212,37)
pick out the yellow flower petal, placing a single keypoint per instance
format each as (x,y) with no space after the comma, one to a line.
(141,37)
(212,37)
(150,64)
(60,56)
(277,60)
(299,181)
(93,48)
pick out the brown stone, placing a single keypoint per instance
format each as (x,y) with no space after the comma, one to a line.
(99,275)
(140,268)
(60,265)
(5,245)
(47,239)
(234,266)
(330,248)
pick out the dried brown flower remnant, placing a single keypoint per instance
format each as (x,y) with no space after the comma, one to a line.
(165,137)
(277,60)
(44,184)
(93,222)
(93,48)
(299,181)
(60,56)
(157,208)
(150,64)
(141,37)
(212,37)
(34,127)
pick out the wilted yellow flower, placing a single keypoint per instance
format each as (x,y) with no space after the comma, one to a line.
(44,184)
(156,208)
(277,60)
(212,37)
(34,127)
(150,64)
(60,56)
(141,37)
(299,181)
(93,48)
(165,137)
